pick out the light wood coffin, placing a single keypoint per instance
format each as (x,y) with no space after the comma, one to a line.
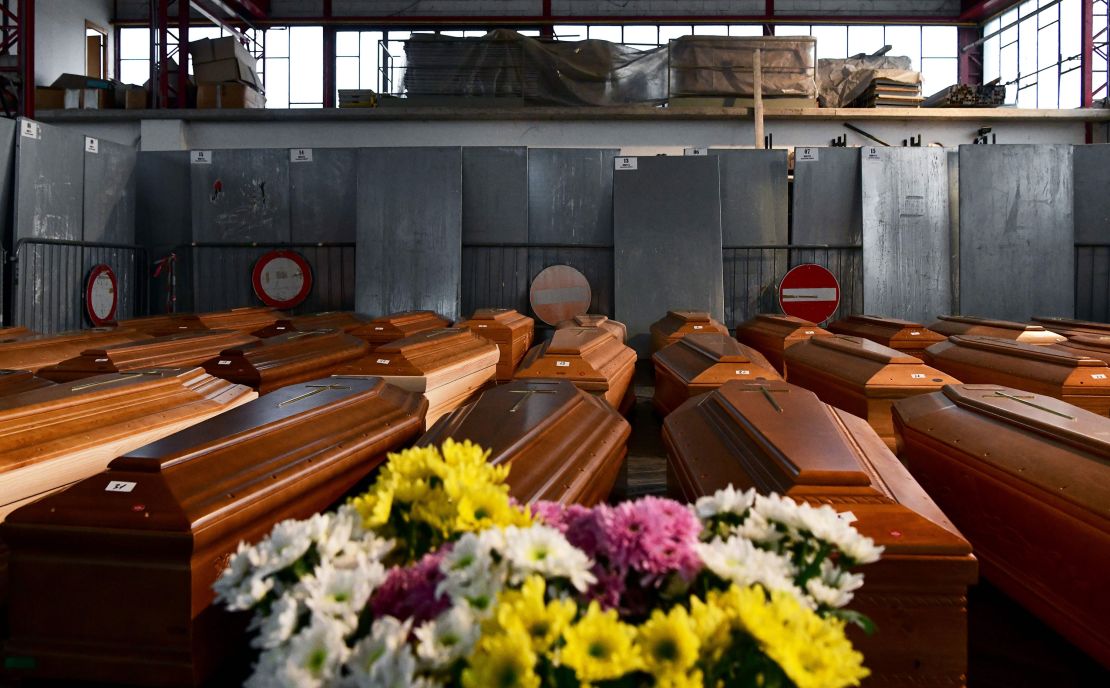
(562,444)
(116,585)
(329,320)
(448,366)
(34,353)
(55,436)
(949,325)
(247,319)
(780,438)
(162,325)
(613,327)
(390,328)
(1027,478)
(771,334)
(286,359)
(170,351)
(1090,345)
(19,381)
(589,357)
(1076,378)
(905,336)
(509,330)
(700,363)
(1069,327)
(14,334)
(677,324)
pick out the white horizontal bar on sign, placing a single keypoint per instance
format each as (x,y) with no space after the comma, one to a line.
(801,294)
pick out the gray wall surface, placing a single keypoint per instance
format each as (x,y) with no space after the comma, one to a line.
(242,195)
(322,196)
(753,197)
(110,193)
(495,195)
(570,195)
(1092,227)
(60,36)
(49,184)
(827,197)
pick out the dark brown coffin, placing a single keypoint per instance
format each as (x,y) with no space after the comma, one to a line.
(1069,327)
(613,327)
(116,586)
(247,319)
(677,324)
(949,325)
(1090,345)
(861,377)
(1027,478)
(286,359)
(390,328)
(329,320)
(780,438)
(41,351)
(905,336)
(562,444)
(700,363)
(771,334)
(19,381)
(183,349)
(1073,377)
(162,325)
(14,334)
(589,357)
(509,330)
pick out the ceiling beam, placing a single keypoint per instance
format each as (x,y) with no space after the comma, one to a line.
(982,10)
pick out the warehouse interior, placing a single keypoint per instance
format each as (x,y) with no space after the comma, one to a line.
(851,252)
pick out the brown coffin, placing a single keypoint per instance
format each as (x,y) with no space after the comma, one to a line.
(589,357)
(617,329)
(780,438)
(390,328)
(448,366)
(19,381)
(861,377)
(905,336)
(677,324)
(247,319)
(116,586)
(14,334)
(162,325)
(949,325)
(509,330)
(562,444)
(1069,327)
(700,363)
(771,334)
(1027,478)
(1090,345)
(179,350)
(38,352)
(1073,377)
(329,320)
(287,359)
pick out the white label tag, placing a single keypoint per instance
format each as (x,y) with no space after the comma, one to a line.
(699,327)
(809,331)
(625,163)
(30,129)
(223,363)
(379,328)
(914,334)
(383,361)
(1099,376)
(917,376)
(101,360)
(200,157)
(483,326)
(300,155)
(743,372)
(847,516)
(805,155)
(92,145)
(120,486)
(695,151)
(562,364)
(872,153)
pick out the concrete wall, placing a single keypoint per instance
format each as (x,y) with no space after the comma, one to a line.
(60,36)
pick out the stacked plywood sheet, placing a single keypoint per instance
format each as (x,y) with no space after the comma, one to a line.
(38,352)
(905,336)
(949,325)
(700,363)
(19,381)
(613,327)
(771,334)
(287,359)
(677,324)
(883,93)
(589,357)
(509,330)
(1069,327)
(390,328)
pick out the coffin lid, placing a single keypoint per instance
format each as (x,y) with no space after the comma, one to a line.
(145,348)
(716,346)
(103,386)
(864,348)
(1069,323)
(1001,324)
(590,319)
(506,320)
(574,341)
(1090,341)
(246,317)
(291,346)
(19,381)
(13,334)
(785,325)
(91,335)
(1007,347)
(422,353)
(690,316)
(498,314)
(406,317)
(165,322)
(881,321)
(344,320)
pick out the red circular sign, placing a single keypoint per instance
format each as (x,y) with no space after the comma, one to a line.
(282,279)
(809,292)
(101,295)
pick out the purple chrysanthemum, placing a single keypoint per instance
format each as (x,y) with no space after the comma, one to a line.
(411,591)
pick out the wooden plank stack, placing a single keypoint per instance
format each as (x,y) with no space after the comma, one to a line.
(286,359)
(699,363)
(509,330)
(889,93)
(677,324)
(34,353)
(771,334)
(589,357)
(905,336)
(390,328)
(968,96)
(949,325)
(613,327)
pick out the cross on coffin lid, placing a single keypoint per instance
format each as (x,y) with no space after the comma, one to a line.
(863,348)
(965,324)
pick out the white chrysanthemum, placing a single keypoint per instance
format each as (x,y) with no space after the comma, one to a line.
(827,595)
(238,567)
(470,574)
(783,510)
(342,593)
(758,529)
(383,659)
(447,638)
(544,550)
(726,501)
(311,658)
(249,592)
(858,548)
(278,626)
(835,587)
(739,561)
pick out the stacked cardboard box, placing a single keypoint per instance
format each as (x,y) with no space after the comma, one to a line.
(226,74)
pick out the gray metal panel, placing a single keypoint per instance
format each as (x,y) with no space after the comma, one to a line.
(409,230)
(953,155)
(1092,202)
(570,195)
(905,232)
(164,219)
(495,195)
(110,189)
(7,176)
(667,241)
(49,184)
(753,197)
(1017,257)
(1092,283)
(242,195)
(827,198)
(322,198)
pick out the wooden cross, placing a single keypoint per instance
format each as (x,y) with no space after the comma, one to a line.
(316,389)
(527,395)
(298,335)
(1022,400)
(767,395)
(88,385)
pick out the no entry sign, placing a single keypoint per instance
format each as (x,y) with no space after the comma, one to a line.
(809,292)
(282,279)
(101,295)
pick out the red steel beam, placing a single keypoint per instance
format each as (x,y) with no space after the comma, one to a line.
(27,55)
(1088,55)
(981,10)
(182,54)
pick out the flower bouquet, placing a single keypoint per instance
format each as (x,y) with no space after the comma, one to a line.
(436,577)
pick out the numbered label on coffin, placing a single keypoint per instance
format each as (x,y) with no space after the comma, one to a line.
(282,279)
(101,295)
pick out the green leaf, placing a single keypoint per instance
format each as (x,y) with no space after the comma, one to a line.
(854,617)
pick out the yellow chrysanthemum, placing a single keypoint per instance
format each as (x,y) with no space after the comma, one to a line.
(501,661)
(692,679)
(524,612)
(712,625)
(600,646)
(668,643)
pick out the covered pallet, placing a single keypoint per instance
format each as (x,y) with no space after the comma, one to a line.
(560,443)
(19,381)
(1027,478)
(112,578)
(613,327)
(677,324)
(700,363)
(286,359)
(390,328)
(776,437)
(905,336)
(771,334)
(589,357)
(949,325)
(509,330)
(38,352)
(1069,327)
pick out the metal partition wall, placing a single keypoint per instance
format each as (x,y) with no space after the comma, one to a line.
(1092,281)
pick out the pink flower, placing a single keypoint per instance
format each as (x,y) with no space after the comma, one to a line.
(654,536)
(411,591)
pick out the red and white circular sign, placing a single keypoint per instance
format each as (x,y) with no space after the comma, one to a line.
(809,292)
(101,295)
(282,279)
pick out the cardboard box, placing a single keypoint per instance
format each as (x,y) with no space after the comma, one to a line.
(228,96)
(50,98)
(80,81)
(136,98)
(220,71)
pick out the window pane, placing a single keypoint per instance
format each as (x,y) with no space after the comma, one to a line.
(832,41)
(277,43)
(1027,47)
(865,39)
(705,30)
(1048,88)
(134,71)
(134,44)
(990,59)
(1070,27)
(529,32)
(1008,66)
(905,40)
(369,48)
(277,83)
(1048,50)
(295,106)
(346,72)
(745,30)
(641,35)
(346,43)
(938,41)
(570,33)
(937,73)
(791,30)
(1027,97)
(306,64)
(1009,35)
(606,33)
(1070,90)
(669,33)
(1048,15)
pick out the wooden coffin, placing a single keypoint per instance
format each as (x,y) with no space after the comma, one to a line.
(38,352)
(589,357)
(447,366)
(329,320)
(1069,327)
(861,377)
(677,324)
(162,325)
(905,336)
(562,444)
(771,334)
(390,328)
(700,363)
(509,330)
(1027,478)
(777,437)
(14,334)
(286,359)
(1090,345)
(19,381)
(115,585)
(183,349)
(949,325)
(55,436)
(248,319)
(1076,378)
(617,329)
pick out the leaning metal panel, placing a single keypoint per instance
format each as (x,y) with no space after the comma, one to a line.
(321,205)
(1092,281)
(826,197)
(1091,174)
(570,195)
(241,195)
(495,195)
(7,174)
(753,196)
(49,183)
(110,190)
